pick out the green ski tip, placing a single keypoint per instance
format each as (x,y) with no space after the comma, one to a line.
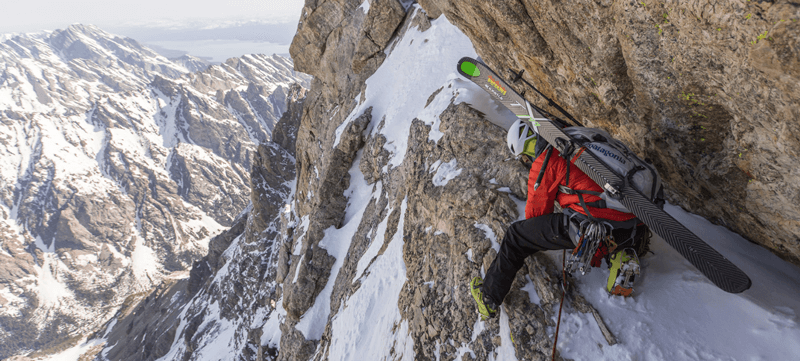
(470,69)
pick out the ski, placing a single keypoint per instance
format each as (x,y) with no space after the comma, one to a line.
(718,269)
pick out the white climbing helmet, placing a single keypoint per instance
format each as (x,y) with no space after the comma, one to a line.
(519,133)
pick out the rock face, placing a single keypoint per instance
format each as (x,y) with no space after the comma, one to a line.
(231,292)
(708,91)
(118,167)
(435,204)
(372,244)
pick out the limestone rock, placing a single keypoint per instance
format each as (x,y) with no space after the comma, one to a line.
(430,8)
(707,91)
(382,19)
(235,280)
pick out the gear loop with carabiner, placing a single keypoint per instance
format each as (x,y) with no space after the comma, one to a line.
(592,234)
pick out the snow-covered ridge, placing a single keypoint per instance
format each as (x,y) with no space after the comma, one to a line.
(68,69)
(119,165)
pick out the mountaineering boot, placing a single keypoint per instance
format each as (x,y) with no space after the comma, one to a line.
(622,273)
(486,308)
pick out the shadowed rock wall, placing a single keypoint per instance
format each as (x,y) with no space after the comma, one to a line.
(709,90)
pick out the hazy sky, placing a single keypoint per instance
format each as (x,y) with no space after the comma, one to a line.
(35,15)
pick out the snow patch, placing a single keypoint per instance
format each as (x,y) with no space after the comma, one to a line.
(298,246)
(377,243)
(74,353)
(531,289)
(435,166)
(44,248)
(336,242)
(49,288)
(477,328)
(400,88)
(520,207)
(144,261)
(85,259)
(297,269)
(364,6)
(489,234)
(352,116)
(271,331)
(446,172)
(360,328)
(14,303)
(505,352)
(227,255)
(110,327)
(218,342)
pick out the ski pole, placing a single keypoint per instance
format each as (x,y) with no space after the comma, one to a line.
(550,102)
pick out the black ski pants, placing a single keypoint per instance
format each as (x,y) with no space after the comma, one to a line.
(522,239)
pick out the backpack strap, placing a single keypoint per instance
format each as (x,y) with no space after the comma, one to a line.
(572,161)
(568,148)
(597,204)
(544,165)
(574,215)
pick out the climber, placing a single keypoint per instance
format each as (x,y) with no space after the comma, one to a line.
(576,194)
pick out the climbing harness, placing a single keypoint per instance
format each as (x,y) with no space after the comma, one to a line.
(592,233)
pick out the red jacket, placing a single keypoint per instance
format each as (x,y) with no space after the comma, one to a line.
(540,201)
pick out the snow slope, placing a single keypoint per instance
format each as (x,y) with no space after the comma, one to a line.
(677,314)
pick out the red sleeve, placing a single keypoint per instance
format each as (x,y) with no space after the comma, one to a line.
(540,201)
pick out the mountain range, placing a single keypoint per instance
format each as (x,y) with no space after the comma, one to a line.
(386,186)
(118,167)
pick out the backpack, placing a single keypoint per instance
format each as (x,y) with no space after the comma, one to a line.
(636,172)
(621,160)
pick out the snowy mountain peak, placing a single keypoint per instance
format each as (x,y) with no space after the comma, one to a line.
(90,43)
(119,167)
(191,63)
(68,69)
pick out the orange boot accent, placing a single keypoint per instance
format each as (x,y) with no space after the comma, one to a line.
(621,291)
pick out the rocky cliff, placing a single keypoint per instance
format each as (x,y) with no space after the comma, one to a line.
(218,312)
(118,167)
(391,210)
(403,187)
(708,90)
